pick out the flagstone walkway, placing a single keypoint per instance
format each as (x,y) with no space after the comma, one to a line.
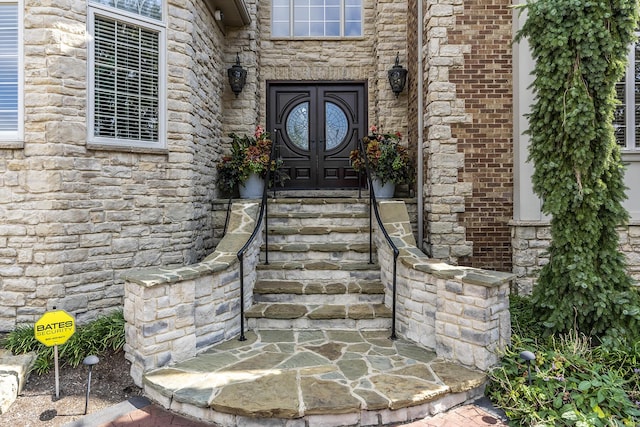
(296,378)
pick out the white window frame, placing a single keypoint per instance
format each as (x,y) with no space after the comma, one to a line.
(291,34)
(630,106)
(15,139)
(100,142)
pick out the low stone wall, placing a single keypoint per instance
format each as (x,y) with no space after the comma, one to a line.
(531,240)
(462,313)
(173,312)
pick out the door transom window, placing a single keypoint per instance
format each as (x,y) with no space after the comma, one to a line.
(316,18)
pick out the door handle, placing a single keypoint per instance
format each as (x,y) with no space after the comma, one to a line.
(314,154)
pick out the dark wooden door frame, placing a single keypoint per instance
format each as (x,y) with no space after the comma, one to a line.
(318,167)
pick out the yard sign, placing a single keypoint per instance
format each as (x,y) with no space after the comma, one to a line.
(54,328)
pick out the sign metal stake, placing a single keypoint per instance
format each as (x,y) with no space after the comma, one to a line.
(55,357)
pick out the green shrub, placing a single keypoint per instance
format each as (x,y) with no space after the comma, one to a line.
(524,320)
(580,51)
(104,333)
(572,384)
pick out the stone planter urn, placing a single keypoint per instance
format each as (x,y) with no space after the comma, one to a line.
(252,188)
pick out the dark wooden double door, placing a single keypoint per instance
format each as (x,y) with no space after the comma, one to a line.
(317,126)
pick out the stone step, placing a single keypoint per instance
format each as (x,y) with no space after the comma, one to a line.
(332,378)
(318,234)
(318,292)
(308,270)
(322,193)
(318,317)
(325,205)
(320,298)
(318,287)
(14,372)
(316,219)
(318,251)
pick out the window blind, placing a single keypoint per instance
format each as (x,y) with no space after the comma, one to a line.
(626,119)
(8,67)
(126,61)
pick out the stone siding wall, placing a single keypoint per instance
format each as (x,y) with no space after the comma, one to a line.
(74,220)
(242,113)
(445,192)
(530,241)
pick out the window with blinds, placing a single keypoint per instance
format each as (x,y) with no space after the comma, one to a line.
(626,120)
(9,84)
(127,79)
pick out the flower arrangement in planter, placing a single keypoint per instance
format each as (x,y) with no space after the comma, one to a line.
(388,159)
(249,158)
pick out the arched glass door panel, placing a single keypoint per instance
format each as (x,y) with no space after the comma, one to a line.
(336,125)
(297,126)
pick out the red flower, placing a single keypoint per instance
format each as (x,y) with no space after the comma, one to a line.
(259,132)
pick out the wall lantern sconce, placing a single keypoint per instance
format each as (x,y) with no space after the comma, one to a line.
(237,76)
(397,76)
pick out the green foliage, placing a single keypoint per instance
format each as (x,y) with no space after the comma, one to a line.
(524,320)
(249,154)
(387,158)
(104,333)
(580,48)
(21,340)
(572,384)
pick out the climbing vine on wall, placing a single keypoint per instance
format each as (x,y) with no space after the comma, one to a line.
(580,49)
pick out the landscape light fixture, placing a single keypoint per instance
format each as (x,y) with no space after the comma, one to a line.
(89,361)
(237,76)
(397,76)
(527,356)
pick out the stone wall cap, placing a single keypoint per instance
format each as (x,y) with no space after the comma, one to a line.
(545,222)
(413,258)
(530,223)
(241,226)
(149,277)
(475,276)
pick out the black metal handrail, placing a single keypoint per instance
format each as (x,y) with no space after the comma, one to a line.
(373,204)
(263,214)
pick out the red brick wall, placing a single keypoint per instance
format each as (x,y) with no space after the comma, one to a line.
(484,82)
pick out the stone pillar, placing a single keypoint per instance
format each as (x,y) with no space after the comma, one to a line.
(160,325)
(472,318)
(445,195)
